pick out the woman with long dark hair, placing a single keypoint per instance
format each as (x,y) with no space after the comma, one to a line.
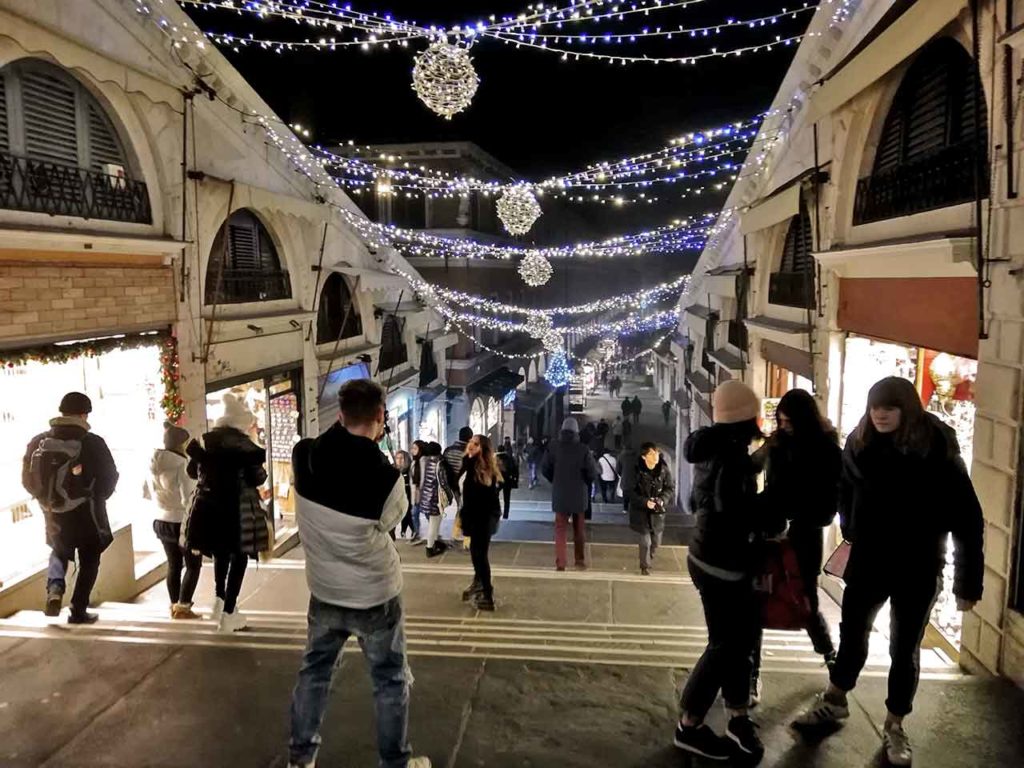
(403,463)
(904,489)
(480,483)
(416,451)
(802,460)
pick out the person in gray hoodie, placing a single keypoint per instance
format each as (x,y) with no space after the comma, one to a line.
(570,468)
(171,488)
(348,500)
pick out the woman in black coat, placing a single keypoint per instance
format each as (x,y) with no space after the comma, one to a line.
(227,521)
(480,482)
(904,490)
(649,500)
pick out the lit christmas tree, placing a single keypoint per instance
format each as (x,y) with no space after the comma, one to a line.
(558,371)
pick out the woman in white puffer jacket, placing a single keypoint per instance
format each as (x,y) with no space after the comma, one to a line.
(172,488)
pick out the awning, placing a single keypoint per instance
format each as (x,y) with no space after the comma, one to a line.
(907,35)
(535,396)
(440,338)
(372,279)
(404,378)
(681,398)
(923,257)
(700,382)
(794,360)
(776,209)
(782,331)
(496,384)
(731,362)
(430,394)
(405,308)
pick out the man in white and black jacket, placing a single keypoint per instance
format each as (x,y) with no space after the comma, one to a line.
(348,499)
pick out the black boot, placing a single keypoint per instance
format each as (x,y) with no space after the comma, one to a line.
(484,600)
(471,591)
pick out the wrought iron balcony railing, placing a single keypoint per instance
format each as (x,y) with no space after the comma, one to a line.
(63,190)
(942,179)
(792,289)
(240,286)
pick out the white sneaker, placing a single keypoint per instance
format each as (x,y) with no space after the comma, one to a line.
(418,762)
(232,622)
(218,610)
(897,746)
(822,714)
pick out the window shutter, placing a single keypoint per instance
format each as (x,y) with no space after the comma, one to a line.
(50,115)
(796,256)
(929,113)
(890,148)
(5,144)
(243,248)
(104,146)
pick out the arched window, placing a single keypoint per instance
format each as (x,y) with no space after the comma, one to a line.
(59,152)
(244,265)
(478,417)
(927,151)
(392,344)
(336,307)
(522,384)
(793,284)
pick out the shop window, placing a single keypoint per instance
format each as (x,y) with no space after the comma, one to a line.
(244,265)
(926,154)
(337,308)
(392,344)
(59,151)
(793,284)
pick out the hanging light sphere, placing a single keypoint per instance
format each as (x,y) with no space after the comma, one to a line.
(444,79)
(537,325)
(552,341)
(535,270)
(518,209)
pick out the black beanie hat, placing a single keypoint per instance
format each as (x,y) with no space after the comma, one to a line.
(75,403)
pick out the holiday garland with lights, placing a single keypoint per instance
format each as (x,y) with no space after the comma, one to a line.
(170,376)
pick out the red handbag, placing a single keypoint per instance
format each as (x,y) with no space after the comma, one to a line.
(784,604)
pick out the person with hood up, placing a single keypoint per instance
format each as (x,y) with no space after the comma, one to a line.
(570,468)
(904,490)
(636,407)
(653,492)
(226,520)
(70,472)
(480,482)
(433,482)
(721,561)
(171,488)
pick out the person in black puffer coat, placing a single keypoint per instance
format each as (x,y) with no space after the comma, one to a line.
(480,482)
(227,521)
(904,490)
(802,461)
(649,500)
(721,561)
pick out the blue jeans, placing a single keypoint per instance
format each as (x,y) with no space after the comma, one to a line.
(533,473)
(416,520)
(381,635)
(88,571)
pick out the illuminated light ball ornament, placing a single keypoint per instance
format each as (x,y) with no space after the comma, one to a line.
(538,324)
(444,79)
(535,270)
(518,210)
(558,372)
(552,340)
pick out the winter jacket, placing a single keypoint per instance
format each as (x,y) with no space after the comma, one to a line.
(725,501)
(432,474)
(570,468)
(481,509)
(169,485)
(802,478)
(452,462)
(649,484)
(87,525)
(348,500)
(509,469)
(897,507)
(226,514)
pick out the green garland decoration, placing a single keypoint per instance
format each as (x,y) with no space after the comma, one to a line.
(173,405)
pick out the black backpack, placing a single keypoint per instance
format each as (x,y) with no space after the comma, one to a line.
(51,477)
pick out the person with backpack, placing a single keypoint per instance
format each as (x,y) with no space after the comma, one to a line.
(721,560)
(348,500)
(652,492)
(171,488)
(904,491)
(609,469)
(510,472)
(480,481)
(71,473)
(226,520)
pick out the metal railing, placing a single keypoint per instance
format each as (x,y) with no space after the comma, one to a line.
(239,286)
(63,190)
(942,179)
(792,289)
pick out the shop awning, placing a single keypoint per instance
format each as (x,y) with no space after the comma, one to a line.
(681,398)
(721,281)
(783,331)
(372,279)
(728,360)
(701,382)
(777,208)
(911,258)
(794,360)
(535,396)
(405,308)
(496,384)
(430,394)
(403,377)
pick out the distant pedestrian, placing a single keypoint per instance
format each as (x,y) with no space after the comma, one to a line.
(627,409)
(403,463)
(618,386)
(570,468)
(348,497)
(170,487)
(451,461)
(652,492)
(666,411)
(510,472)
(433,493)
(904,490)
(415,453)
(627,433)
(609,468)
(611,388)
(617,433)
(534,454)
(480,481)
(226,520)
(720,561)
(71,473)
(636,408)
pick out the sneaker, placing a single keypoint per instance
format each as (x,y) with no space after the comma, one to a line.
(183,611)
(897,745)
(415,541)
(218,609)
(830,659)
(434,551)
(418,762)
(483,602)
(471,591)
(54,600)
(581,566)
(232,622)
(743,732)
(83,618)
(822,713)
(560,568)
(756,687)
(701,740)
(645,571)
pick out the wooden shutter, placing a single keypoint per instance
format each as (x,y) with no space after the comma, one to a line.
(928,110)
(49,107)
(796,256)
(104,146)
(242,245)
(5,143)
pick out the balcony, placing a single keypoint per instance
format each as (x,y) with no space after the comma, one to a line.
(792,289)
(62,190)
(239,286)
(943,179)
